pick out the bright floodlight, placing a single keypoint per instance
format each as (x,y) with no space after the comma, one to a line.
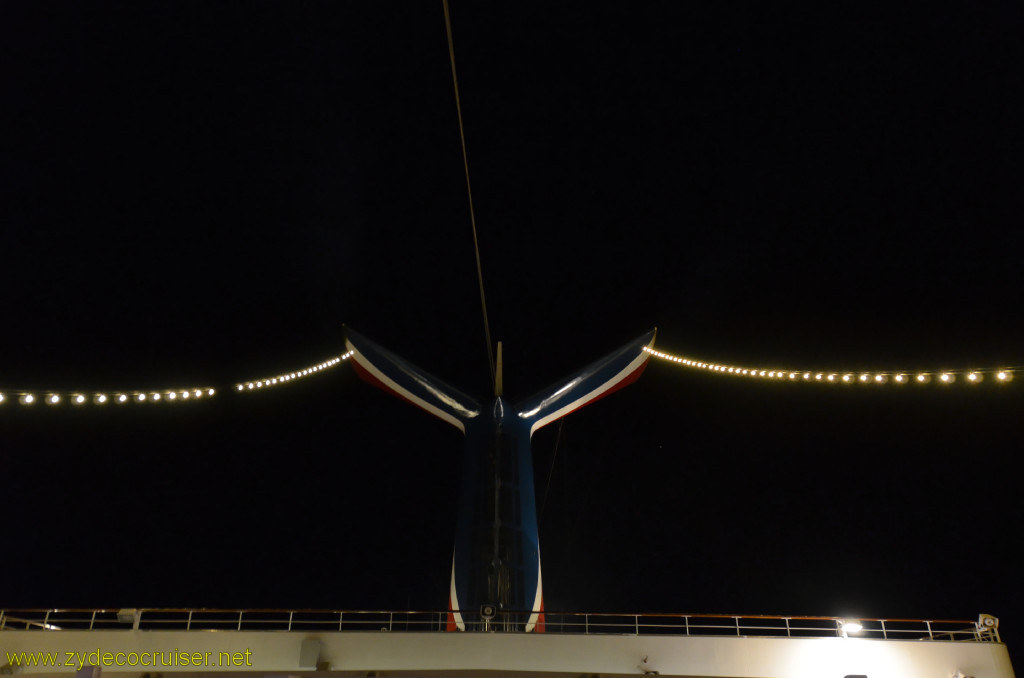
(851,626)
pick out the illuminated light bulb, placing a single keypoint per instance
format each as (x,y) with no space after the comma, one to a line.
(79,399)
(900,378)
(172,395)
(28,399)
(53,399)
(156,396)
(122,398)
(947,378)
(142,396)
(210,392)
(101,398)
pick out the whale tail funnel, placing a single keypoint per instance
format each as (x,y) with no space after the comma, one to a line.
(598,379)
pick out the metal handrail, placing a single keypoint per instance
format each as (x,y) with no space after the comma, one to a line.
(262,619)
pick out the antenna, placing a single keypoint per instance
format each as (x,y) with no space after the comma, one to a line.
(497,375)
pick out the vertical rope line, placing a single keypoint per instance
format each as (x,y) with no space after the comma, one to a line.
(469,191)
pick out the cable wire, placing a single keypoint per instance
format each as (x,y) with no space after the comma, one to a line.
(469,190)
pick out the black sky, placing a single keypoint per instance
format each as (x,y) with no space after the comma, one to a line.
(197,193)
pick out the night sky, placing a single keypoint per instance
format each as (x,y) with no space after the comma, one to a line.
(200,193)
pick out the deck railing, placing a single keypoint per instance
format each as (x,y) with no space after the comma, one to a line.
(174,619)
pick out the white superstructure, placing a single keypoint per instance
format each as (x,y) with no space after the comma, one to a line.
(377,644)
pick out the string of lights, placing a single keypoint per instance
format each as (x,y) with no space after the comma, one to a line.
(291,376)
(999,375)
(55,398)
